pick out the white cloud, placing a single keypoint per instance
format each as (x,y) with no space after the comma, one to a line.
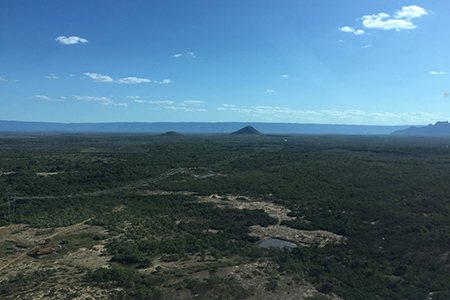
(351,30)
(367,46)
(346,29)
(165,81)
(360,117)
(71,40)
(116,104)
(378,22)
(409,12)
(192,102)
(437,73)
(52,76)
(92,98)
(270,91)
(10,80)
(401,19)
(132,80)
(43,97)
(269,110)
(139,101)
(183,108)
(351,116)
(103,100)
(99,77)
(351,113)
(187,55)
(127,80)
(285,76)
(160,102)
(191,55)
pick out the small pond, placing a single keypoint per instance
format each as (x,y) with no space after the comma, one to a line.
(277,243)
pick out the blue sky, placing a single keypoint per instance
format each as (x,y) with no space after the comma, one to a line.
(333,62)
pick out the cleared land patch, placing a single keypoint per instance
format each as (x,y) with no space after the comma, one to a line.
(299,237)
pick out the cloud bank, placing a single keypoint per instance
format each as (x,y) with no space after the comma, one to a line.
(351,116)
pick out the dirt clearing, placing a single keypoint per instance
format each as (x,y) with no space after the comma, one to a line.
(299,237)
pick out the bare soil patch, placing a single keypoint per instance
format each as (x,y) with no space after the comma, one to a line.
(92,258)
(6,173)
(48,173)
(67,265)
(36,238)
(160,192)
(299,237)
(241,202)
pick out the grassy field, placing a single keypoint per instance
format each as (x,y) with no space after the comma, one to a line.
(174,217)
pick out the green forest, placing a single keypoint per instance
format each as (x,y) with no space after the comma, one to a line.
(387,196)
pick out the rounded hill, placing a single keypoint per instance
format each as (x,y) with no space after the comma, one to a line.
(171,133)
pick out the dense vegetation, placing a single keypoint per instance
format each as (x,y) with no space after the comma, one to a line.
(173,226)
(388,196)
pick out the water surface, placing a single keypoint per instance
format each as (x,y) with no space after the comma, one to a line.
(277,243)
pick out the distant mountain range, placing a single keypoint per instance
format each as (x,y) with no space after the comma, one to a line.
(196,127)
(440,128)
